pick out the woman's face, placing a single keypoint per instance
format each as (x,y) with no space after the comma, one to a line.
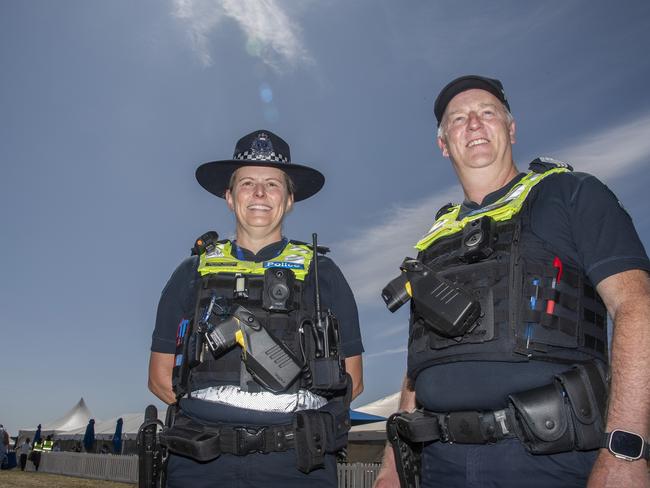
(259,198)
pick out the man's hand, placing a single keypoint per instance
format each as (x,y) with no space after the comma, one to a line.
(609,471)
(388,477)
(627,297)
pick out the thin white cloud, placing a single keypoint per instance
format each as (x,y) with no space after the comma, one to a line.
(270,34)
(612,152)
(386,352)
(371,260)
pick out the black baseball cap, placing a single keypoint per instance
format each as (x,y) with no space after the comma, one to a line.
(459,85)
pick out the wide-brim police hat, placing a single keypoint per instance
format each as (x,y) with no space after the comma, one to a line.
(260,148)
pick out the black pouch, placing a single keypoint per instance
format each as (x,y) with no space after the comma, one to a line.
(418,426)
(543,416)
(310,432)
(192,439)
(588,410)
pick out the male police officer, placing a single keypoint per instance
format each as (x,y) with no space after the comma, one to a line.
(257,369)
(510,371)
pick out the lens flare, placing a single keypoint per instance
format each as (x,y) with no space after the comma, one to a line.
(266,93)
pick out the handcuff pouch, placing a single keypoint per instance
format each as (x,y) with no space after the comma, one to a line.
(543,419)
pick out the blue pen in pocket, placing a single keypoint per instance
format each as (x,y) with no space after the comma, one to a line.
(180,336)
(533,304)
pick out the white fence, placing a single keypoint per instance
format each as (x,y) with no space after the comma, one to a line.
(95,466)
(125,468)
(357,475)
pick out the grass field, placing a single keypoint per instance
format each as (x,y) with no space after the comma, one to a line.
(21,479)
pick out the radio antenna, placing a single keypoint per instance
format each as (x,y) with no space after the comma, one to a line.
(314,238)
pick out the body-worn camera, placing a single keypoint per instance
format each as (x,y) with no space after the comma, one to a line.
(478,240)
(278,290)
(449,310)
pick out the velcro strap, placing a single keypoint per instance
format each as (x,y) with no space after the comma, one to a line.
(465,428)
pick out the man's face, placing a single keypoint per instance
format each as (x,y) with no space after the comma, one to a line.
(476,132)
(259,197)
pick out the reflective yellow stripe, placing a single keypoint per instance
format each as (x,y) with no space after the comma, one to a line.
(296,257)
(503,209)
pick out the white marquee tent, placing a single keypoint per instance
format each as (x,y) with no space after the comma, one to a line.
(73,425)
(383,407)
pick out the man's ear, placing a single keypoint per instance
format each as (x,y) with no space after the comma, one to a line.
(511,131)
(443,147)
(229,200)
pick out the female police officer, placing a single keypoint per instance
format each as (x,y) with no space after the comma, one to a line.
(256,376)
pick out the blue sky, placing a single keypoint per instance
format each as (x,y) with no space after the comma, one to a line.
(106,109)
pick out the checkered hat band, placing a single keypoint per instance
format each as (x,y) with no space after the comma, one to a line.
(250,156)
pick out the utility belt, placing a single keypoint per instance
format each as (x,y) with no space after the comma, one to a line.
(312,434)
(566,415)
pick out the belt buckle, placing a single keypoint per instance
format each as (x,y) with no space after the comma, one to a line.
(250,440)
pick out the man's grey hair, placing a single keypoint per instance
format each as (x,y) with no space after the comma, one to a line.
(443,123)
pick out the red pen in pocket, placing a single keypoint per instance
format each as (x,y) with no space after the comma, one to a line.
(550,304)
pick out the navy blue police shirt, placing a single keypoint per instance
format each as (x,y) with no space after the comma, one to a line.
(583,221)
(178,300)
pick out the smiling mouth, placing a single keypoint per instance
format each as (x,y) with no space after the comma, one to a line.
(262,208)
(477,142)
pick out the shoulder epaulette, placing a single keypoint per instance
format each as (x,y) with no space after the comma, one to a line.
(544,164)
(321,249)
(444,209)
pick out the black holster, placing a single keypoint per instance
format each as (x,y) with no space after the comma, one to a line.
(152,457)
(400,429)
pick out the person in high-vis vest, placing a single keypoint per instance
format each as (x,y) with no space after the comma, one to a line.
(509,381)
(259,378)
(48,443)
(35,455)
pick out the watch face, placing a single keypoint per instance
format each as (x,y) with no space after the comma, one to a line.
(626,444)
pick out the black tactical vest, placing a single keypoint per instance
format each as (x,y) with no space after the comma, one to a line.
(526,312)
(281,318)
